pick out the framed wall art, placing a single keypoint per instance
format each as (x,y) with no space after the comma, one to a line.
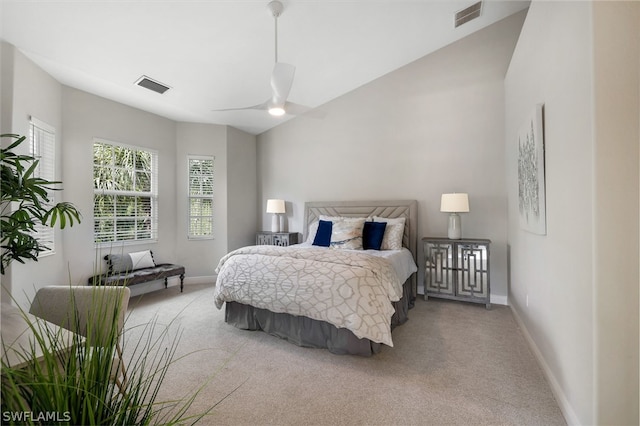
(531,177)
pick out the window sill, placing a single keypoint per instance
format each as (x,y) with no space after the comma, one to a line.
(112,244)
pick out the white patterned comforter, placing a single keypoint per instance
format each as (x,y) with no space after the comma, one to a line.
(348,289)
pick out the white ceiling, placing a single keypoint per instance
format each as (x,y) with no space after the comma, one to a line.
(220,53)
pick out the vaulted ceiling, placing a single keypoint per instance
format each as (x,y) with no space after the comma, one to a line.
(217,54)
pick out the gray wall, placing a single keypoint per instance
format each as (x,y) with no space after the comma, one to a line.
(80,117)
(431,127)
(575,290)
(201,139)
(6,112)
(85,117)
(616,30)
(242,192)
(29,91)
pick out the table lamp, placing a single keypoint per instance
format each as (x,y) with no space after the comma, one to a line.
(454,204)
(276,207)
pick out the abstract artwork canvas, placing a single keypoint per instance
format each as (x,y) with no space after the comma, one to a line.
(531,182)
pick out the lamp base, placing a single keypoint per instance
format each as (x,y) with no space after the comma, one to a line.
(455,227)
(275,223)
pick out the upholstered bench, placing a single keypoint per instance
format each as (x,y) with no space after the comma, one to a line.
(136,268)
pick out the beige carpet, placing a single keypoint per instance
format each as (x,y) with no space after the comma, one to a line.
(453,363)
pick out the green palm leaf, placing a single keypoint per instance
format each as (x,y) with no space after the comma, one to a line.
(25,203)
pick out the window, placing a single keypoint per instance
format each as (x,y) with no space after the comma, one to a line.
(42,147)
(200,196)
(125,193)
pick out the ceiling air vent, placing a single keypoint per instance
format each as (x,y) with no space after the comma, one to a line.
(151,84)
(466,15)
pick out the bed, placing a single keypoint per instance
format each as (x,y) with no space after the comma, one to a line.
(347,301)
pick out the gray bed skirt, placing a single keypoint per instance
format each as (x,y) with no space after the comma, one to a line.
(307,332)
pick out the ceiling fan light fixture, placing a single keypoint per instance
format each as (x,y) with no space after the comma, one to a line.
(276,110)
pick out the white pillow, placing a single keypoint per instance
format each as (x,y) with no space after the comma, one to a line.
(343,218)
(142,259)
(347,234)
(311,231)
(330,218)
(393,233)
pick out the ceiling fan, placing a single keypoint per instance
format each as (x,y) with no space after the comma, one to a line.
(281,80)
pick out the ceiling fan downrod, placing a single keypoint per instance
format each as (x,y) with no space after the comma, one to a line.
(276,8)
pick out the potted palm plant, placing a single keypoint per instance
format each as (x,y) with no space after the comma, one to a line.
(25,203)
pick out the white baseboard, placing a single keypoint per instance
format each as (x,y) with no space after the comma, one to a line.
(499,300)
(567,410)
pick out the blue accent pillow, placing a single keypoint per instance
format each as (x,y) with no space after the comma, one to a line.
(323,234)
(372,235)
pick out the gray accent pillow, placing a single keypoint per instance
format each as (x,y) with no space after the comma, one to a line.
(119,263)
(142,259)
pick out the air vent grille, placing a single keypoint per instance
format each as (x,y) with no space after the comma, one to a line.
(466,15)
(151,84)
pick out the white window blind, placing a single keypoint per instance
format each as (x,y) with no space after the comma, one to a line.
(125,189)
(42,147)
(200,196)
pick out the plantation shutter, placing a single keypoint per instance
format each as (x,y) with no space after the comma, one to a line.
(200,196)
(42,147)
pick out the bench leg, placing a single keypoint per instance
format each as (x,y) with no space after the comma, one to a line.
(165,282)
(181,282)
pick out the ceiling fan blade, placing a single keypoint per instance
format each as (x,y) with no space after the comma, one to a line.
(262,106)
(297,109)
(281,81)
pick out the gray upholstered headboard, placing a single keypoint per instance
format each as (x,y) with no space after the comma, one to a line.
(383,208)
